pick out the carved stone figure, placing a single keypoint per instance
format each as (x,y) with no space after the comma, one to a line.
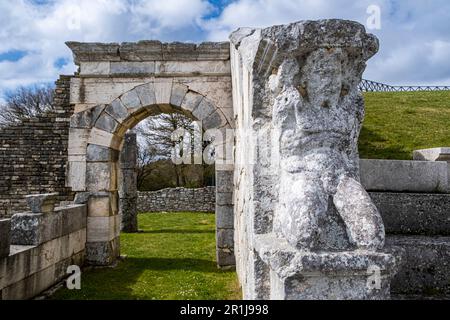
(317,117)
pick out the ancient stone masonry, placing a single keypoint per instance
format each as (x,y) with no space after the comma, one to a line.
(44,243)
(178,200)
(300,204)
(33,154)
(128,184)
(117,86)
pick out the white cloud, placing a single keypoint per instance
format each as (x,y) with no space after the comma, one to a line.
(415,37)
(42,29)
(414,34)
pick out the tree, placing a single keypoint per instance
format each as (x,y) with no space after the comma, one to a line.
(26,102)
(156,132)
(146,155)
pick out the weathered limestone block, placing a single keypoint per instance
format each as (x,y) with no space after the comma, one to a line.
(300,185)
(42,203)
(128,184)
(405,176)
(307,275)
(36,228)
(5,237)
(426,266)
(435,154)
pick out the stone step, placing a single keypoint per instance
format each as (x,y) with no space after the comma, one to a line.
(425,269)
(414,213)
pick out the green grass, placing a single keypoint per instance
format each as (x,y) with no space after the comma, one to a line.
(398,123)
(173,258)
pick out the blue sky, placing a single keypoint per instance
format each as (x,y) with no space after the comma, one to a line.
(414,34)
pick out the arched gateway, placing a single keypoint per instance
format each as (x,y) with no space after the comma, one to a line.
(118,86)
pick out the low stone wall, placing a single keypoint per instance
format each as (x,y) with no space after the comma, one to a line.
(44,246)
(178,200)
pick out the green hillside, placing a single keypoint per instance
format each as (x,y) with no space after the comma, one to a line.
(400,122)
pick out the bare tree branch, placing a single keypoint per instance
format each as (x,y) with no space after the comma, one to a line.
(26,102)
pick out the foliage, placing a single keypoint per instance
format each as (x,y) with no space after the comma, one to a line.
(26,102)
(159,148)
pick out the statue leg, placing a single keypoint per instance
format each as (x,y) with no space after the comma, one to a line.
(365,226)
(301,205)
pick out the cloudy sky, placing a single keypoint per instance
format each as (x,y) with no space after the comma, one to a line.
(414,34)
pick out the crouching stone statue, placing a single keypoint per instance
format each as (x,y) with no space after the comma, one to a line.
(325,238)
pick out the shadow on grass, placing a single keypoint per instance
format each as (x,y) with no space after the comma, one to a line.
(181,264)
(118,283)
(182,231)
(374,146)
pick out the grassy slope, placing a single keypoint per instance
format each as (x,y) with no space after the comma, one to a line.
(174,258)
(398,123)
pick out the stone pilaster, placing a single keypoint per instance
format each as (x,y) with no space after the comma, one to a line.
(128,184)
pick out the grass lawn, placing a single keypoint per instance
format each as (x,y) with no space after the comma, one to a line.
(398,123)
(173,258)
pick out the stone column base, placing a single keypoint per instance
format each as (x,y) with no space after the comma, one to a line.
(302,275)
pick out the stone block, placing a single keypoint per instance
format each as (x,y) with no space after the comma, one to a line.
(178,93)
(86,119)
(102,229)
(163,91)
(215,120)
(31,286)
(104,138)
(405,176)
(102,253)
(32,229)
(128,156)
(81,198)
(103,204)
(147,50)
(96,153)
(224,198)
(95,68)
(203,110)
(131,101)
(128,213)
(414,214)
(303,275)
(101,176)
(133,67)
(224,181)
(42,203)
(434,154)
(224,217)
(426,265)
(76,175)
(78,141)
(225,238)
(117,110)
(74,218)
(191,101)
(225,258)
(107,123)
(146,94)
(5,237)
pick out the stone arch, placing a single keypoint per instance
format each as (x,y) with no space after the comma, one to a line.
(101,130)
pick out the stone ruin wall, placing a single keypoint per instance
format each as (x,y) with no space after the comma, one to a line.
(178,200)
(33,154)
